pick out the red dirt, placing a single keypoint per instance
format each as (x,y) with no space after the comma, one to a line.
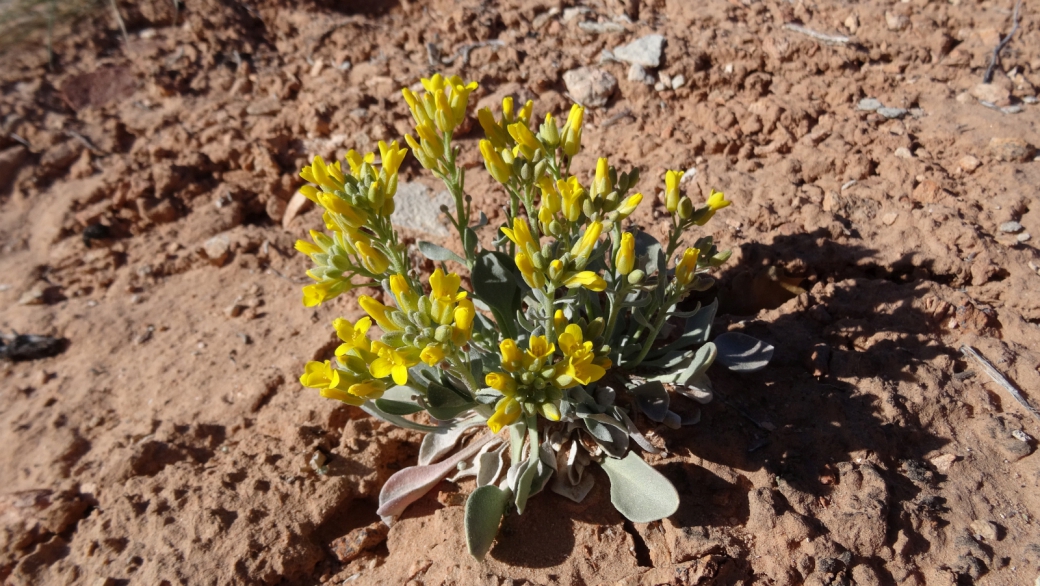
(170,442)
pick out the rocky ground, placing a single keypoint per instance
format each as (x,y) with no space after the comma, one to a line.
(885,215)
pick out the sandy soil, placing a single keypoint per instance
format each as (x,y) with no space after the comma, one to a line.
(170,442)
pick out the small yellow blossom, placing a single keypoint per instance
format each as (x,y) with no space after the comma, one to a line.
(687,266)
(587,279)
(625,260)
(393,362)
(512,358)
(526,141)
(501,170)
(572,131)
(354,336)
(539,349)
(375,261)
(462,329)
(378,312)
(444,295)
(522,237)
(583,247)
(716,201)
(532,276)
(432,354)
(601,183)
(572,194)
(671,190)
(629,205)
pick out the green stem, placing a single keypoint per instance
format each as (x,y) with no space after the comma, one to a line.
(615,308)
(662,314)
(547,307)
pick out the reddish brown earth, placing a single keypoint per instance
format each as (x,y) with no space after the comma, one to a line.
(170,442)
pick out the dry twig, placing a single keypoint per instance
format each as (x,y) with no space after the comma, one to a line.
(999,379)
(988,77)
(837,39)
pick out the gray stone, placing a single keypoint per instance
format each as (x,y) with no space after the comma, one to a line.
(645,51)
(590,87)
(892,113)
(1011,227)
(638,74)
(1023,237)
(416,209)
(869,104)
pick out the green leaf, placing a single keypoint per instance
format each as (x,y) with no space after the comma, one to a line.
(639,492)
(688,369)
(484,510)
(439,253)
(445,402)
(496,283)
(397,407)
(652,398)
(647,251)
(372,409)
(743,353)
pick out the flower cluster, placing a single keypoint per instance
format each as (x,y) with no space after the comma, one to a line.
(567,308)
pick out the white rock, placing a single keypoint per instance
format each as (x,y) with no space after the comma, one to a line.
(852,23)
(969,163)
(678,81)
(869,104)
(943,462)
(645,51)
(1011,227)
(987,529)
(896,22)
(638,74)
(590,87)
(904,153)
(1023,237)
(217,249)
(990,92)
(416,209)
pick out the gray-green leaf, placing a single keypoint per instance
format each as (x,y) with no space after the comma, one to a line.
(639,492)
(439,253)
(484,510)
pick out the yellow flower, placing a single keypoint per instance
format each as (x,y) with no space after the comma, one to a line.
(462,329)
(625,260)
(357,161)
(351,215)
(572,131)
(671,190)
(369,389)
(559,321)
(601,184)
(584,246)
(572,193)
(521,236)
(512,358)
(494,132)
(374,260)
(393,362)
(502,382)
(319,293)
(310,192)
(391,157)
(629,205)
(507,412)
(524,115)
(587,279)
(318,172)
(432,354)
(539,349)
(458,96)
(443,295)
(687,266)
(550,194)
(716,201)
(580,365)
(495,163)
(407,299)
(378,312)
(354,336)
(532,276)
(317,375)
(424,151)
(525,140)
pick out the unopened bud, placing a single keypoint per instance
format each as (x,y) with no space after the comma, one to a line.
(538,260)
(555,228)
(596,327)
(636,277)
(685,208)
(442,334)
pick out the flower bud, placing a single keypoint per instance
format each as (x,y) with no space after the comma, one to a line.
(555,228)
(538,260)
(595,328)
(442,333)
(685,208)
(671,190)
(626,255)
(636,277)
(719,259)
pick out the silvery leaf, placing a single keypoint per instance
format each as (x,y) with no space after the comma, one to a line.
(439,253)
(438,443)
(652,398)
(490,466)
(697,388)
(484,510)
(575,492)
(409,484)
(639,492)
(634,432)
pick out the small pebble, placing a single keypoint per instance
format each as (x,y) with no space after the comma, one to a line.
(869,104)
(904,153)
(1029,99)
(1011,227)
(943,462)
(969,163)
(1023,237)
(889,218)
(892,113)
(986,529)
(1021,436)
(678,81)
